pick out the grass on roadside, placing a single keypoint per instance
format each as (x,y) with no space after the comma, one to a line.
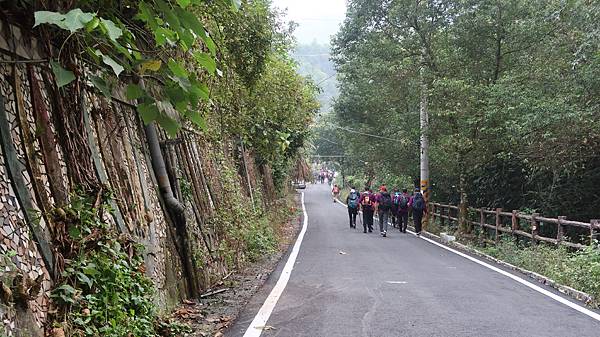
(579,269)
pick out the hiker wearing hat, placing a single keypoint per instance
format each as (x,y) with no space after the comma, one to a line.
(367,206)
(383,204)
(418,205)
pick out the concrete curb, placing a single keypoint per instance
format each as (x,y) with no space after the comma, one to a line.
(574,293)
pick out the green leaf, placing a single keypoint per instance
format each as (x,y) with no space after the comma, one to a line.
(116,67)
(153,65)
(42,17)
(190,21)
(183,3)
(72,21)
(74,232)
(197,119)
(177,69)
(111,29)
(90,26)
(199,90)
(206,60)
(169,15)
(67,289)
(210,44)
(146,14)
(168,124)
(148,111)
(101,85)
(164,35)
(84,278)
(62,76)
(236,4)
(186,40)
(76,19)
(134,91)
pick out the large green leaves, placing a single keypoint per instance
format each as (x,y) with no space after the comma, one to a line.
(63,76)
(72,21)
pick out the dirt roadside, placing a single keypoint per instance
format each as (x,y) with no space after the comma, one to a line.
(218,308)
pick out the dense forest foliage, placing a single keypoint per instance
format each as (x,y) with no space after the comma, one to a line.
(219,70)
(220,67)
(513,91)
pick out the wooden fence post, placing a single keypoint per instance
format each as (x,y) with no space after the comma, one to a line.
(515,222)
(594,225)
(442,220)
(498,222)
(432,208)
(560,230)
(534,227)
(482,222)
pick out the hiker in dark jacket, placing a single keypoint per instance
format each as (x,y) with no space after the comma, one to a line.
(352,200)
(419,207)
(367,205)
(403,205)
(384,207)
(394,212)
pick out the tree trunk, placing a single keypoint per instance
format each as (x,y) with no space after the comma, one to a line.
(463,225)
(424,122)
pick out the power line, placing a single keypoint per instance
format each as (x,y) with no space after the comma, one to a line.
(327,140)
(363,133)
(326,79)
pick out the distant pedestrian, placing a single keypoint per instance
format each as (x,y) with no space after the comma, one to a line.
(394,212)
(335,191)
(417,203)
(352,200)
(367,205)
(384,207)
(403,204)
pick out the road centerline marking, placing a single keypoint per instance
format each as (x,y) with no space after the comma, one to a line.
(261,318)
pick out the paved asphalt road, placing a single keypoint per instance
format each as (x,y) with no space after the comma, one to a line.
(399,286)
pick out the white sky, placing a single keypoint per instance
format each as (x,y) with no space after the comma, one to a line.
(316,19)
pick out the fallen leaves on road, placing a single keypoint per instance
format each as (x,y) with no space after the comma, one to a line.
(343,252)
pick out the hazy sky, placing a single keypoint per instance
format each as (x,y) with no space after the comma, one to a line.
(317,19)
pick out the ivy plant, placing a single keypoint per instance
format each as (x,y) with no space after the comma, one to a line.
(165,43)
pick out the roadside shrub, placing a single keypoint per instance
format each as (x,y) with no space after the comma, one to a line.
(579,269)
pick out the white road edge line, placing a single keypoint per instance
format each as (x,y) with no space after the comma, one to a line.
(260,320)
(524,282)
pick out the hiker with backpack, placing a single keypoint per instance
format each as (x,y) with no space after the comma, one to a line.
(403,205)
(384,207)
(352,200)
(367,206)
(394,212)
(418,206)
(335,191)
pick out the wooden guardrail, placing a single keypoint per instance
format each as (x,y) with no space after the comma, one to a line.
(496,222)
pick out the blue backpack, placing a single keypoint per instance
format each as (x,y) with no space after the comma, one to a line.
(353,200)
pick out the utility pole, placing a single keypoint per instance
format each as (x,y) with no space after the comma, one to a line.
(424,121)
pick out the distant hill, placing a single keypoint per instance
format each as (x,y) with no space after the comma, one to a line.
(313,61)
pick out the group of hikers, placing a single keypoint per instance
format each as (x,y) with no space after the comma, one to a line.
(393,206)
(325,175)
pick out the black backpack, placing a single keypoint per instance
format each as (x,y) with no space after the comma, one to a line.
(402,201)
(386,201)
(418,202)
